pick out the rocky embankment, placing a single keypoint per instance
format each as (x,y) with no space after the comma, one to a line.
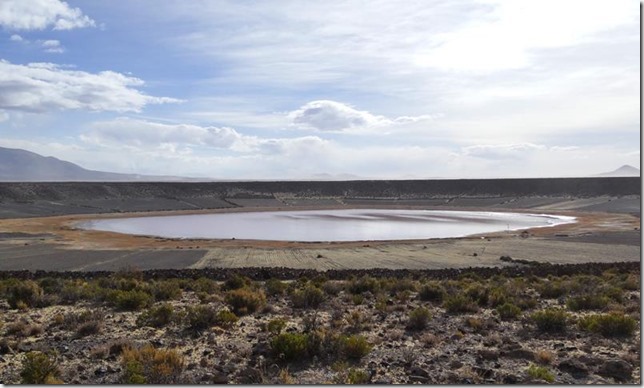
(28,199)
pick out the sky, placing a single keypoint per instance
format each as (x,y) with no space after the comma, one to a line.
(280,89)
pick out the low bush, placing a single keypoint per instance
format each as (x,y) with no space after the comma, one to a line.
(236,282)
(459,304)
(23,293)
(132,300)
(609,325)
(245,301)
(354,347)
(432,292)
(478,293)
(587,302)
(152,366)
(202,284)
(39,368)
(508,311)
(418,319)
(363,284)
(157,316)
(275,287)
(290,346)
(309,297)
(541,373)
(552,320)
(358,376)
(165,290)
(200,318)
(89,328)
(275,326)
(226,319)
(553,289)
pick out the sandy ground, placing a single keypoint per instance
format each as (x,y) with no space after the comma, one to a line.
(58,245)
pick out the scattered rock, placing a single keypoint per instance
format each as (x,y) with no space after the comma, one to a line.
(488,354)
(418,371)
(620,370)
(574,367)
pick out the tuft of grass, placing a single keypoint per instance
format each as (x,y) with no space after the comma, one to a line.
(358,376)
(89,328)
(39,368)
(226,319)
(354,347)
(290,346)
(236,282)
(508,311)
(245,301)
(158,316)
(587,302)
(459,304)
(275,326)
(21,294)
(609,325)
(544,357)
(541,373)
(418,319)
(552,320)
(553,289)
(363,284)
(310,297)
(200,318)
(432,292)
(275,287)
(152,366)
(131,300)
(165,290)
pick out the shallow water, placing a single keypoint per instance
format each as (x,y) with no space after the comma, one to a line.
(327,225)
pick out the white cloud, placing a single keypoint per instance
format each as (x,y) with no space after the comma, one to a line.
(327,115)
(41,14)
(501,151)
(52,46)
(16,38)
(147,134)
(42,87)
(332,116)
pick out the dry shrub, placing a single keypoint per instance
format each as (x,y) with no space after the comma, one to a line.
(152,366)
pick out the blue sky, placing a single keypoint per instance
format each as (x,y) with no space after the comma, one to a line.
(292,89)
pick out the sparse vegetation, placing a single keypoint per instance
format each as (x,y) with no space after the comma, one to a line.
(157,316)
(541,373)
(508,311)
(419,318)
(245,301)
(459,304)
(309,297)
(151,366)
(609,325)
(550,320)
(39,368)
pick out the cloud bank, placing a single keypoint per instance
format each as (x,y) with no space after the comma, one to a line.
(41,14)
(43,87)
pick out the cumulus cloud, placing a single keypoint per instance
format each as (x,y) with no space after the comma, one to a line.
(333,116)
(151,134)
(325,115)
(42,87)
(41,14)
(16,38)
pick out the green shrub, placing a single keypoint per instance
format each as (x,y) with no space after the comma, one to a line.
(354,346)
(478,293)
(275,326)
(586,302)
(39,368)
(399,285)
(236,282)
(459,304)
(609,325)
(152,366)
(363,284)
(132,300)
(51,285)
(508,311)
(432,292)
(165,290)
(332,288)
(358,376)
(202,284)
(550,320)
(540,372)
(200,318)
(25,293)
(418,319)
(245,301)
(275,287)
(309,297)
(553,289)
(158,316)
(497,296)
(290,346)
(226,319)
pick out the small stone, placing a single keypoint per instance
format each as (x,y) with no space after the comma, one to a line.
(574,367)
(418,371)
(510,379)
(489,355)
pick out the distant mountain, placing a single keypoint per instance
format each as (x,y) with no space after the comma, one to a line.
(18,165)
(625,170)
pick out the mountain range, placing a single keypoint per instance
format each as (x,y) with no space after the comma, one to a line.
(17,165)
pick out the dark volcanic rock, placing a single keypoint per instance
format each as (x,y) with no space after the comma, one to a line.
(620,370)
(573,366)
